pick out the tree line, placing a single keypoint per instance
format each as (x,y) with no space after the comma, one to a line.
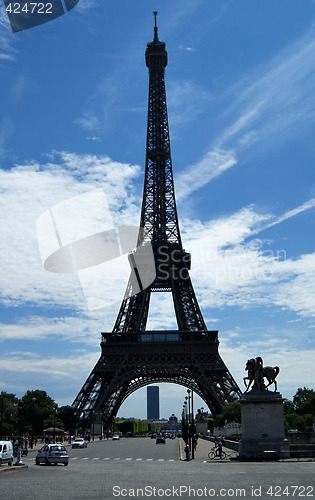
(40,412)
(299,414)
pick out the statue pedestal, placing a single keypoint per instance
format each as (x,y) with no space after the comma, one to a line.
(263,427)
(201,428)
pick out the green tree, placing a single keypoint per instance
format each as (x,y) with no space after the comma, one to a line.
(9,414)
(67,416)
(210,422)
(304,401)
(299,414)
(38,412)
(231,413)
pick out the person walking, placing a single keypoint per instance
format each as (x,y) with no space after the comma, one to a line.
(187,451)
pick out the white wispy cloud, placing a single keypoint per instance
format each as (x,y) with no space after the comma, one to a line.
(26,192)
(267,103)
(295,211)
(232,267)
(208,168)
(273,98)
(186,101)
(7,128)
(7,51)
(88,121)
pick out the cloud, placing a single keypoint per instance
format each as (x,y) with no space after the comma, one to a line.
(273,98)
(188,49)
(186,101)
(26,192)
(88,121)
(80,329)
(295,211)
(213,164)
(232,267)
(7,128)
(7,52)
(35,375)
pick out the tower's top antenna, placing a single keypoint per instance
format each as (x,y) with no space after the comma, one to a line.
(155,27)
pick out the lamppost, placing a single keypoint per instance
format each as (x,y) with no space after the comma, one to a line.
(33,414)
(55,411)
(185,423)
(20,413)
(93,422)
(192,425)
(1,427)
(190,399)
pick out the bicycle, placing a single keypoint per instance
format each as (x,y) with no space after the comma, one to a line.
(215,453)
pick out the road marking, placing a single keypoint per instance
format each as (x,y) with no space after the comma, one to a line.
(126,459)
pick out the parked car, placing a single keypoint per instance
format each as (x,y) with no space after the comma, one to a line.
(160,439)
(79,443)
(115,437)
(6,452)
(52,454)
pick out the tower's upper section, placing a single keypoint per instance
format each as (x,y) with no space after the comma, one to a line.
(158,215)
(156,55)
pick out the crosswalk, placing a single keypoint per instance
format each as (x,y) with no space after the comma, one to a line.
(116,459)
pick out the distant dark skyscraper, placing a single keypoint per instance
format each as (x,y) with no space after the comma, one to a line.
(153,403)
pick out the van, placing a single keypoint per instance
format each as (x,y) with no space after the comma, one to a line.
(6,452)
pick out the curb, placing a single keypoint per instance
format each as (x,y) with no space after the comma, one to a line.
(12,468)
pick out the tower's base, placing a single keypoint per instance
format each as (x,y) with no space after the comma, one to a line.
(263,427)
(131,361)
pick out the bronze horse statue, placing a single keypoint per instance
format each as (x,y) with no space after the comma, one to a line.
(257,372)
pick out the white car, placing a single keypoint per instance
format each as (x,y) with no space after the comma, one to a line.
(6,452)
(115,437)
(79,443)
(52,454)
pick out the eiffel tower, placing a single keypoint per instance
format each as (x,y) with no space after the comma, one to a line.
(133,357)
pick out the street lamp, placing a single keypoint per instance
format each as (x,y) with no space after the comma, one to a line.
(33,414)
(20,413)
(55,406)
(190,399)
(93,422)
(1,427)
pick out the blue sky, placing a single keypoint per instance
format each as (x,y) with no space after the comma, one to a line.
(240,90)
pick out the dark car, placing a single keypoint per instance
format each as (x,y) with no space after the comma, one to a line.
(160,439)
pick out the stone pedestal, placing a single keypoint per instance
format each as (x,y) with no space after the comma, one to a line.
(263,427)
(201,428)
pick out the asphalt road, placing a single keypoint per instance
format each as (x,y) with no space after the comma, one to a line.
(138,468)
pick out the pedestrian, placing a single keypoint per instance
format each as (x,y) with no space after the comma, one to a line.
(187,451)
(195,442)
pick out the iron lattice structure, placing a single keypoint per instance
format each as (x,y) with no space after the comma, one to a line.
(133,357)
